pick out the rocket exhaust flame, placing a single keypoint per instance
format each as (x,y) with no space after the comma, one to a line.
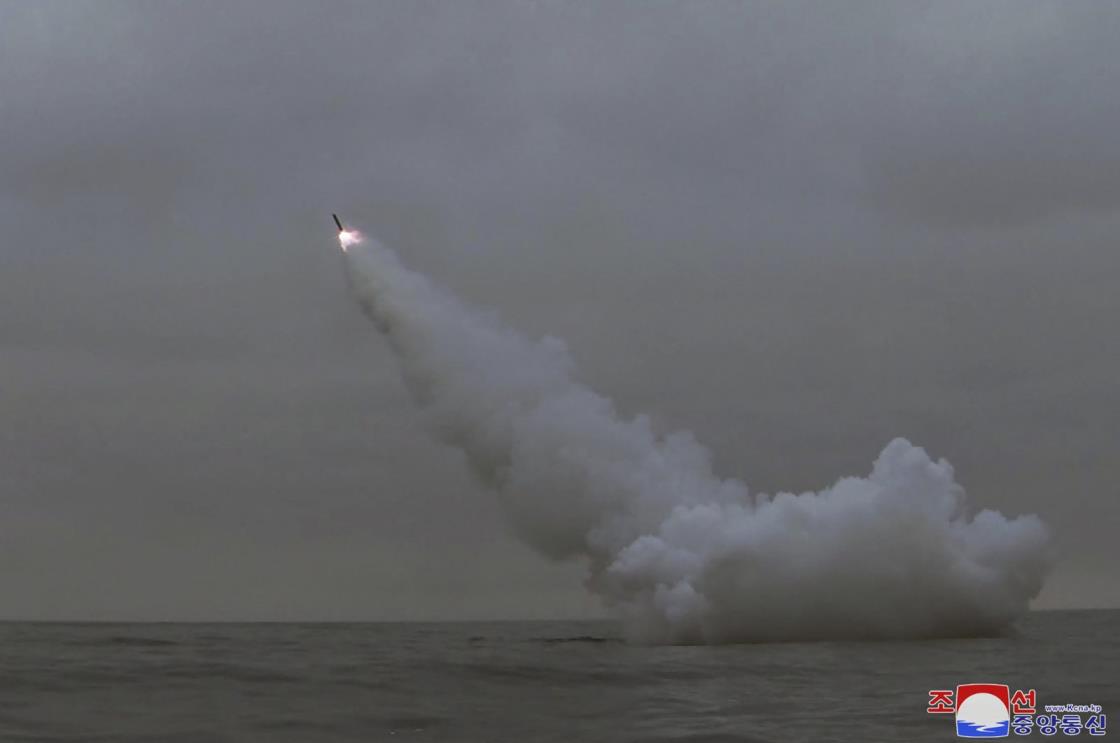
(348,238)
(676,552)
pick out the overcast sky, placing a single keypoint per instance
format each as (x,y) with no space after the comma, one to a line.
(796,229)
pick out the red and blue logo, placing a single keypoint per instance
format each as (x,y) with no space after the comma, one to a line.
(983,711)
(987,711)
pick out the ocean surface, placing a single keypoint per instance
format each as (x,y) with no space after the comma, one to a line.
(517,681)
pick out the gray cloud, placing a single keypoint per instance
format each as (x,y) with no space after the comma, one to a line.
(1001,121)
(724,208)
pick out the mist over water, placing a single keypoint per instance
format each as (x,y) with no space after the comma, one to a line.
(679,554)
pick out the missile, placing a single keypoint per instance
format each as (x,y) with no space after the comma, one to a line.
(346,237)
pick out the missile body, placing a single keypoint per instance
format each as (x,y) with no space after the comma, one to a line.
(340,227)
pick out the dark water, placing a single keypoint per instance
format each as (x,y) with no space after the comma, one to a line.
(531,681)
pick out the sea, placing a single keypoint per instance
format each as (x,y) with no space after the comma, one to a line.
(519,682)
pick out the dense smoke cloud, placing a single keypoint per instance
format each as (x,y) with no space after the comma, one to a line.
(678,553)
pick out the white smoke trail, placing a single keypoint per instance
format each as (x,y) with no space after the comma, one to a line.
(678,553)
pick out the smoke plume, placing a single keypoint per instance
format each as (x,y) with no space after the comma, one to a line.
(679,554)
